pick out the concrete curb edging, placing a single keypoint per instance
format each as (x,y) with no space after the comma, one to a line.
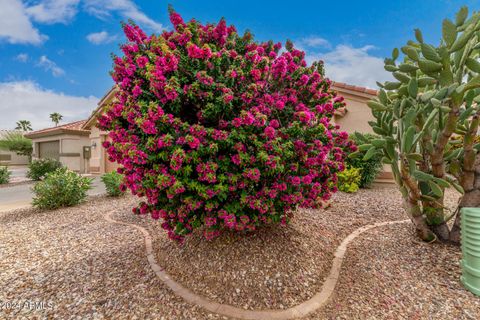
(298,311)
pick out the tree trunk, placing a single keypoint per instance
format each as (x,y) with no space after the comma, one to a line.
(415,214)
(471,198)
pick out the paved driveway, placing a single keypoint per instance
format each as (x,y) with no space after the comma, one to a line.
(18,173)
(20,196)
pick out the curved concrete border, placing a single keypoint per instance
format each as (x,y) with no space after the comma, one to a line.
(297,311)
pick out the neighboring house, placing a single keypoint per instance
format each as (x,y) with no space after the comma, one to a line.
(354,117)
(357,114)
(10,158)
(99,162)
(65,143)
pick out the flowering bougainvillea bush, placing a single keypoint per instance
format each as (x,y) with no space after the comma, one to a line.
(217,130)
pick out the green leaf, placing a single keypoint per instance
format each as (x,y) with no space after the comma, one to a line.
(473,83)
(390,68)
(354,155)
(425,81)
(386,160)
(401,77)
(461,41)
(457,187)
(408,138)
(473,65)
(378,143)
(369,153)
(442,182)
(406,67)
(437,191)
(422,176)
(430,53)
(391,85)
(415,156)
(382,96)
(411,53)
(446,77)
(364,147)
(395,54)
(461,16)
(428,66)
(376,106)
(418,35)
(449,32)
(413,88)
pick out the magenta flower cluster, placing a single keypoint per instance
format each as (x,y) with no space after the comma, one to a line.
(215,130)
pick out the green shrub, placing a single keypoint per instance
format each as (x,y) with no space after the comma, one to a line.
(349,180)
(61,188)
(16,142)
(4,175)
(369,169)
(113,180)
(37,169)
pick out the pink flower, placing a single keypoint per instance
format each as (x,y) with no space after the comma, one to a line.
(270,132)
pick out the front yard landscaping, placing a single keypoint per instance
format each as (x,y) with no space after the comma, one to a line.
(80,265)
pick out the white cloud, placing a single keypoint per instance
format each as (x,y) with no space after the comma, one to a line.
(26,100)
(100,37)
(51,66)
(351,65)
(15,26)
(53,11)
(315,42)
(126,8)
(22,57)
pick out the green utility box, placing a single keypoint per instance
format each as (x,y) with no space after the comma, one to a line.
(470,221)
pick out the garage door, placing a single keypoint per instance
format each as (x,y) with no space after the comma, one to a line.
(50,149)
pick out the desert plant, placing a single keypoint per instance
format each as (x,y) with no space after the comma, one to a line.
(113,183)
(16,142)
(220,131)
(61,188)
(436,96)
(4,175)
(39,168)
(56,118)
(349,180)
(369,168)
(24,125)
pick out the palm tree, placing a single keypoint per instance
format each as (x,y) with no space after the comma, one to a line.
(24,125)
(56,117)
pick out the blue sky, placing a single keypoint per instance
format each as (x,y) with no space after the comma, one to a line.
(55,54)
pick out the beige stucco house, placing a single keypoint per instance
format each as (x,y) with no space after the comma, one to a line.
(357,114)
(65,143)
(68,142)
(99,159)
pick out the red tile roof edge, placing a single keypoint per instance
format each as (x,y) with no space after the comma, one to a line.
(343,85)
(71,126)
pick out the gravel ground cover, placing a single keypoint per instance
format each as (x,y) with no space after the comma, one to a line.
(72,264)
(276,268)
(80,266)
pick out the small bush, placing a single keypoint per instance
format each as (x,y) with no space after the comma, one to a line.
(113,182)
(61,188)
(4,175)
(349,180)
(369,169)
(37,169)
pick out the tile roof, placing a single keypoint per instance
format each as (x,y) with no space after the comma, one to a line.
(72,127)
(343,85)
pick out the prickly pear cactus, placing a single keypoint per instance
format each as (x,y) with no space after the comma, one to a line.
(434,98)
